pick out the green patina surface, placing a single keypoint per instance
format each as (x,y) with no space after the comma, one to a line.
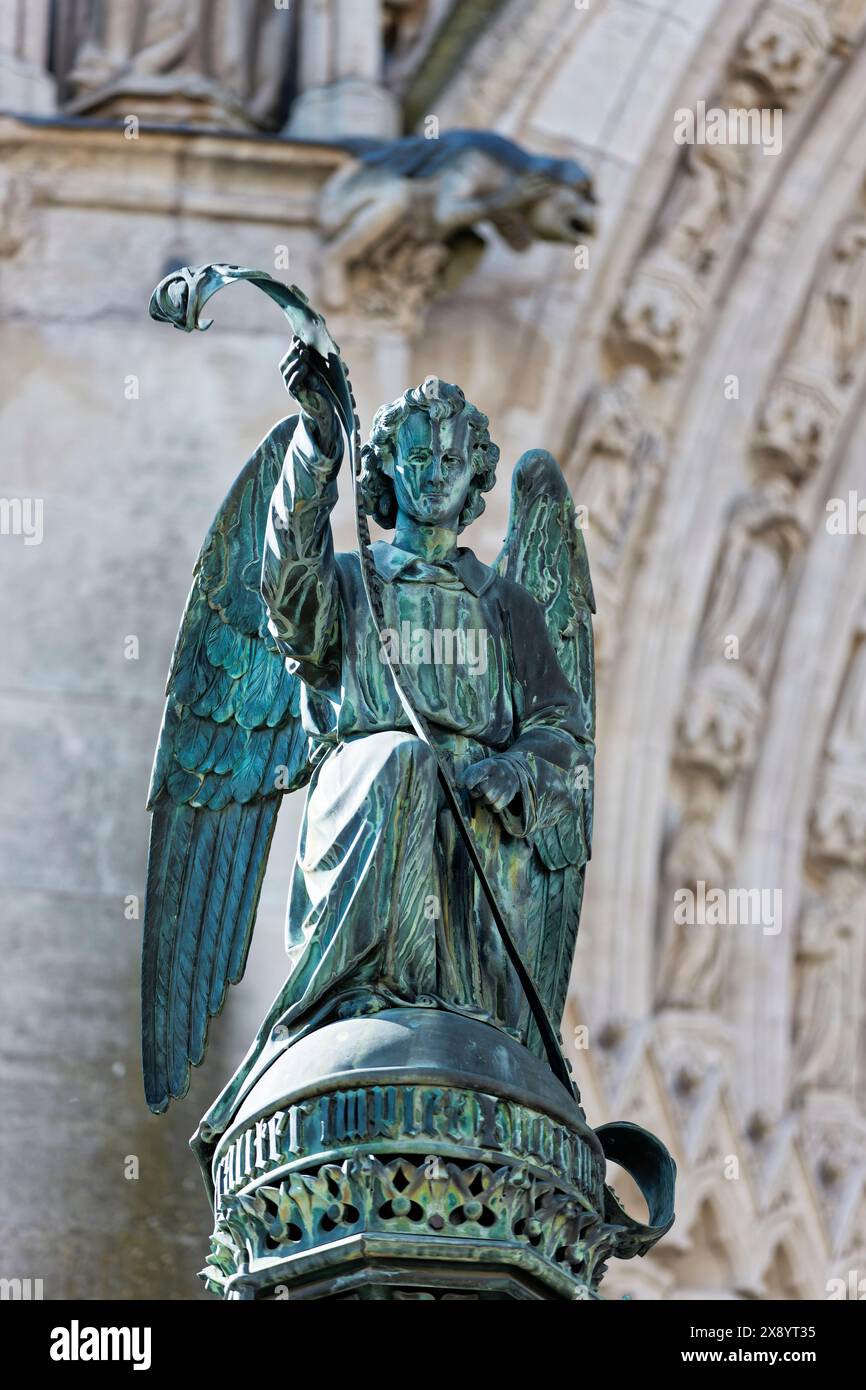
(442,715)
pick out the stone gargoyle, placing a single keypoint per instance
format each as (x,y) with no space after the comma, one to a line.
(403,216)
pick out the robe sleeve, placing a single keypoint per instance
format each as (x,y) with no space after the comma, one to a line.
(299,572)
(553,750)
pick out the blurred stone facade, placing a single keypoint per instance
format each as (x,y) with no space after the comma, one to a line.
(700,374)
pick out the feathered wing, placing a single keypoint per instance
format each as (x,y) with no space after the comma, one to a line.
(544,551)
(230,746)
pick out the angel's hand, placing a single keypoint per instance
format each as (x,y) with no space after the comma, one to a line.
(494,781)
(304,383)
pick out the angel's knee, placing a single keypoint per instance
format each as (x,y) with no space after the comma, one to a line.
(410,762)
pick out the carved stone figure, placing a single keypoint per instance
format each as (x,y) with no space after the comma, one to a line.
(409,208)
(441,714)
(709,191)
(692,955)
(779,60)
(838,829)
(719,724)
(828,1011)
(666,296)
(830,947)
(845,297)
(739,630)
(787,47)
(616,469)
(799,419)
(208,62)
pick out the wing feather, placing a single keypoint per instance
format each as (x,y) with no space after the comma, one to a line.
(240,898)
(224,854)
(171,833)
(184,946)
(230,745)
(262,833)
(544,551)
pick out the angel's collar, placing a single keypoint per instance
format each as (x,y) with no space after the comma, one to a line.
(391,561)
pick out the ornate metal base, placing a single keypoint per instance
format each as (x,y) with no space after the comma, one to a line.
(414,1154)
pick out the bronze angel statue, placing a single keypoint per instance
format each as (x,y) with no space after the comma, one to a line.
(440,713)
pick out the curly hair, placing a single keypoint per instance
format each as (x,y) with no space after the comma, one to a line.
(440,400)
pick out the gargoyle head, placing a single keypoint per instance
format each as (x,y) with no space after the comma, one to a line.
(561,213)
(557,203)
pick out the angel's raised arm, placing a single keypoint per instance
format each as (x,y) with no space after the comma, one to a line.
(299,577)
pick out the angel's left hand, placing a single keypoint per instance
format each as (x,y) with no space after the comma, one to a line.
(494,781)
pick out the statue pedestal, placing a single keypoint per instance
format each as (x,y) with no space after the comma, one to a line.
(410,1154)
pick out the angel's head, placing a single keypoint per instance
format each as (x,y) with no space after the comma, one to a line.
(429,457)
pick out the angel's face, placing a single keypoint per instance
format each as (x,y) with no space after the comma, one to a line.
(433,468)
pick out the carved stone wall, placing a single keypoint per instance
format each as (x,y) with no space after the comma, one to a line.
(699,367)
